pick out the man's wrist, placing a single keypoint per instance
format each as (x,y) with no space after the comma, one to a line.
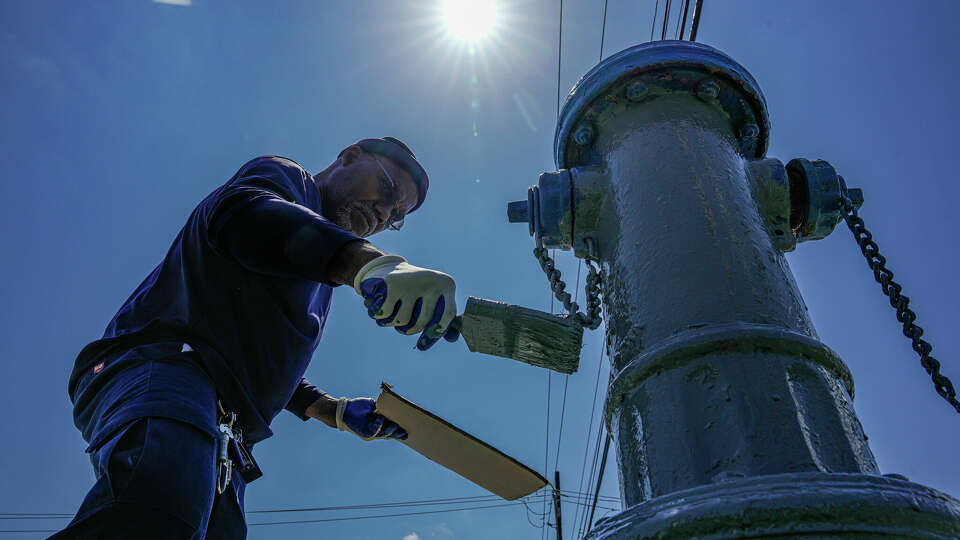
(324,409)
(349,259)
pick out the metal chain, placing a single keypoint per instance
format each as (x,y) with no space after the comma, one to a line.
(898,301)
(591,319)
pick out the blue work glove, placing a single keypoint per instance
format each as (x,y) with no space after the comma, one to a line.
(407,297)
(359,416)
(451,334)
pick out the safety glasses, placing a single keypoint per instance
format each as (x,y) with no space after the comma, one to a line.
(395,221)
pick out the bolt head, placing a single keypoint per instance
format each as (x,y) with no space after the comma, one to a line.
(584,134)
(749,131)
(856,196)
(636,91)
(708,90)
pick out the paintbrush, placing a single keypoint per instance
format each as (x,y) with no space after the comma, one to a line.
(526,335)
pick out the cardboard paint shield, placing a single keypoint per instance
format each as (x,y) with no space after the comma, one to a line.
(455,449)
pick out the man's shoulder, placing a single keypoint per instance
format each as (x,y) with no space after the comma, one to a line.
(277,163)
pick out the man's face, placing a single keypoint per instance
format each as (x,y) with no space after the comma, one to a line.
(360,198)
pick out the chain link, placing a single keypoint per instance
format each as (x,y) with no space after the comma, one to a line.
(591,319)
(898,301)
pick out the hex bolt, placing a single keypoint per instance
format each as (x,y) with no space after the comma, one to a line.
(856,196)
(636,91)
(584,134)
(708,90)
(749,131)
(748,138)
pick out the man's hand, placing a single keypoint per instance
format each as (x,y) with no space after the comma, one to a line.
(407,297)
(359,416)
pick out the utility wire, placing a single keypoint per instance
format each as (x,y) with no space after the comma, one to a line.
(382,515)
(666,20)
(596,495)
(559,56)
(697,10)
(352,518)
(676,30)
(307,521)
(683,27)
(546,449)
(476,499)
(603,33)
(401,514)
(593,406)
(593,468)
(563,409)
(656,11)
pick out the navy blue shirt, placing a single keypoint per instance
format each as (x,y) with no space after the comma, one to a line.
(243,285)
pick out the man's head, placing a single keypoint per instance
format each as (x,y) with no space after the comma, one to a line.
(372,185)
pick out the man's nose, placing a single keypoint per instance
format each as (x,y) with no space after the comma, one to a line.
(383,211)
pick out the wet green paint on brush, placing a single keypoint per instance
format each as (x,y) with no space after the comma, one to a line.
(526,335)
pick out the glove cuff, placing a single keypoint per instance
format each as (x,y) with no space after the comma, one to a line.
(382,260)
(341,407)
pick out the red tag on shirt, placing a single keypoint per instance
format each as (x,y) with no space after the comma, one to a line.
(98,368)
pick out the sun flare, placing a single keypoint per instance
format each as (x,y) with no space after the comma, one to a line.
(469,20)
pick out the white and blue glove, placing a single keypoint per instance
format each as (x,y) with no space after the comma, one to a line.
(359,416)
(407,297)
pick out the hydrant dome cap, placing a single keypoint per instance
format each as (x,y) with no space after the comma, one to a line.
(652,56)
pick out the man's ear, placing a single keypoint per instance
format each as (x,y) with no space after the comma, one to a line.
(350,154)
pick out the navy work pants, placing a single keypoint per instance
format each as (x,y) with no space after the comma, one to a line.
(156,474)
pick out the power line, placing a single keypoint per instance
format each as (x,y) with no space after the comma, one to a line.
(593,468)
(656,11)
(401,514)
(676,30)
(596,495)
(586,449)
(559,56)
(348,518)
(666,20)
(563,409)
(326,520)
(697,10)
(603,33)
(546,446)
(546,451)
(397,504)
(683,27)
(435,502)
(601,431)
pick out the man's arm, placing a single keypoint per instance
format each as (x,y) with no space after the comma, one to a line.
(358,416)
(325,410)
(348,260)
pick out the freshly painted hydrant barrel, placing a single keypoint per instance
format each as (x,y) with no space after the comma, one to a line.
(730,418)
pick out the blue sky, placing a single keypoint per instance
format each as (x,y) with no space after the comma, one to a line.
(119,116)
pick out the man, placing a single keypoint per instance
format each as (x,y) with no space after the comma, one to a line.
(215,341)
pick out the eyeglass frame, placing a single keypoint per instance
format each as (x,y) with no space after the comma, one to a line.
(393,223)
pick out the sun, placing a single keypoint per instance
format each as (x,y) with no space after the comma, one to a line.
(469,20)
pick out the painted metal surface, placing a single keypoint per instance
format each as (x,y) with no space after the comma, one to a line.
(646,71)
(817,193)
(803,505)
(720,383)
